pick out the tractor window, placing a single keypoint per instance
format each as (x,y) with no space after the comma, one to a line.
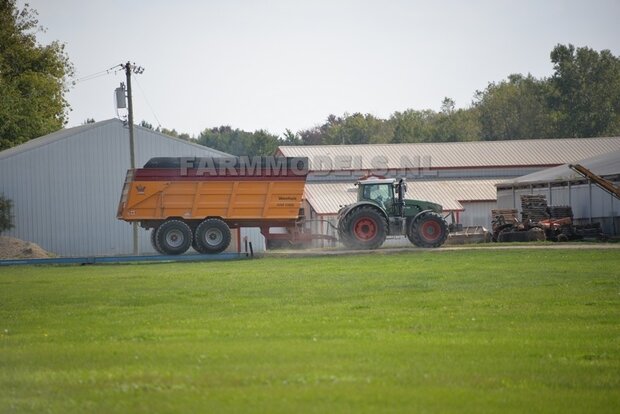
(381,193)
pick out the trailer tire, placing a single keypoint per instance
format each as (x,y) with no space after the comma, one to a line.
(173,237)
(428,230)
(212,236)
(154,242)
(196,247)
(363,228)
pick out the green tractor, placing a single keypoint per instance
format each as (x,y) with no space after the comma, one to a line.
(382,211)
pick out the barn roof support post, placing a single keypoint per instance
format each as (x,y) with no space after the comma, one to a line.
(590,199)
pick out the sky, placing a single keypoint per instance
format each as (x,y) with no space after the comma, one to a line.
(278,64)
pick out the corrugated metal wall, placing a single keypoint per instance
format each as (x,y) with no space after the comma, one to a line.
(254,236)
(66,192)
(477,213)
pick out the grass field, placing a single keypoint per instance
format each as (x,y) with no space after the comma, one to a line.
(459,331)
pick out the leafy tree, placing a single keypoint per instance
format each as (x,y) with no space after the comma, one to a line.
(262,143)
(412,126)
(318,135)
(291,138)
(585,95)
(32,78)
(238,142)
(447,106)
(455,125)
(6,215)
(349,129)
(312,136)
(515,109)
(147,125)
(170,132)
(448,125)
(582,98)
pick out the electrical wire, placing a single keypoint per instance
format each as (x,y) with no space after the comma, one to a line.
(97,74)
(147,102)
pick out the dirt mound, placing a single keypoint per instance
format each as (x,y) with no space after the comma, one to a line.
(12,248)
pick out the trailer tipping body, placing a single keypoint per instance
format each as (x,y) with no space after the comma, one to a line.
(198,200)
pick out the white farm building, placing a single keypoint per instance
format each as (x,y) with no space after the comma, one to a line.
(66,186)
(461,176)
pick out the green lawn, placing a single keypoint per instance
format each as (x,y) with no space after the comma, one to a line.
(459,331)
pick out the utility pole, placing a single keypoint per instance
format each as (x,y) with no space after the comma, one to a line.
(129,68)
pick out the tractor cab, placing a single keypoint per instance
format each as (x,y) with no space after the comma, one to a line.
(387,193)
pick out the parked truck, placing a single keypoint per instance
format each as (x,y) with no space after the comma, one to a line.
(195,202)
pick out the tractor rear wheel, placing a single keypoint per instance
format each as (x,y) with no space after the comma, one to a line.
(212,236)
(363,228)
(173,237)
(343,234)
(428,230)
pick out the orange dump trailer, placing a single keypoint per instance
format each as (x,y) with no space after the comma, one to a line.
(196,201)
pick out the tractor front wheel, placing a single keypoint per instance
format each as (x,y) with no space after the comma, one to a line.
(428,230)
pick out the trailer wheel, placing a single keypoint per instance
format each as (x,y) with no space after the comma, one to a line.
(154,242)
(212,236)
(173,237)
(363,228)
(196,247)
(428,230)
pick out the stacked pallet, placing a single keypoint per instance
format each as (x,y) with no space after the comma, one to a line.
(558,212)
(504,216)
(534,207)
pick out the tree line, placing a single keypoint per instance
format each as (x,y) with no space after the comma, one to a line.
(580,99)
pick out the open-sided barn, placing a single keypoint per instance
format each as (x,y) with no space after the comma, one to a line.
(563,186)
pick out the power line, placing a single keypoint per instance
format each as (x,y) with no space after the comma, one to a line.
(98,74)
(148,103)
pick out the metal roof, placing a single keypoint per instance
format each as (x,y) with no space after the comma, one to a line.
(478,154)
(328,197)
(375,180)
(604,165)
(69,132)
